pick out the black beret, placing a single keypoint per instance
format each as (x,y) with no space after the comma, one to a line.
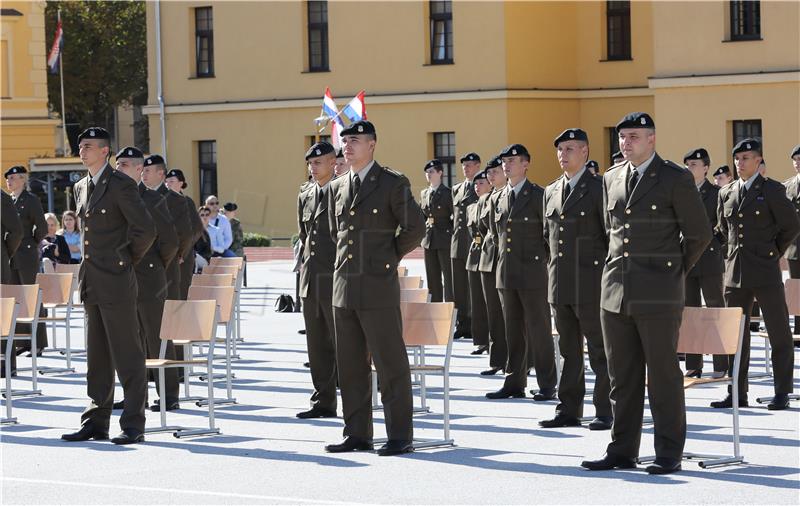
(592,165)
(722,170)
(696,154)
(617,154)
(362,127)
(494,162)
(481,174)
(319,149)
(433,164)
(748,144)
(94,133)
(130,152)
(178,174)
(571,134)
(470,157)
(339,153)
(154,160)
(514,150)
(230,206)
(636,120)
(16,169)
(795,151)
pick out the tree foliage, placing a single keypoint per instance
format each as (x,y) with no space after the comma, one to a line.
(104,60)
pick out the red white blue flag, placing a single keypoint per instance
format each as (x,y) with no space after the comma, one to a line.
(356,109)
(55,51)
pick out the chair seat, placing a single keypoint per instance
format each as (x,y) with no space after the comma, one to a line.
(161,362)
(181,342)
(54,306)
(53,318)
(426,367)
(690,382)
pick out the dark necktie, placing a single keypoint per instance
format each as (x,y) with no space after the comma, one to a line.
(512,196)
(632,180)
(356,185)
(91,190)
(320,196)
(565,192)
(742,193)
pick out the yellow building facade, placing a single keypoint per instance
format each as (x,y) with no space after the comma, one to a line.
(242,82)
(26,129)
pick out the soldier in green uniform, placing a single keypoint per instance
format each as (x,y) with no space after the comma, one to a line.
(463,195)
(436,202)
(480,319)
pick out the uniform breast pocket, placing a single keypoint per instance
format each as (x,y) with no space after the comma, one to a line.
(551,213)
(616,209)
(761,216)
(660,213)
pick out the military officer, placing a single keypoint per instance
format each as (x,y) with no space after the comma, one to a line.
(480,322)
(706,275)
(517,227)
(575,232)
(793,193)
(436,202)
(375,222)
(176,181)
(759,224)
(25,262)
(153,176)
(117,231)
(722,176)
(498,350)
(341,166)
(657,230)
(617,157)
(316,280)
(593,167)
(151,277)
(463,195)
(10,237)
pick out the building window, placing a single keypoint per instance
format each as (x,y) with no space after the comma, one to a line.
(5,79)
(618,30)
(207,154)
(745,20)
(441,31)
(312,139)
(317,36)
(204,42)
(444,150)
(746,128)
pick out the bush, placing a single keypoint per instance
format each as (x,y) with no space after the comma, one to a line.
(257,240)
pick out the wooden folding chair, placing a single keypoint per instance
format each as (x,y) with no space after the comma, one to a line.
(8,321)
(237,262)
(57,290)
(77,305)
(236,280)
(414,295)
(713,331)
(213,280)
(410,282)
(29,299)
(792,289)
(224,297)
(186,321)
(402,270)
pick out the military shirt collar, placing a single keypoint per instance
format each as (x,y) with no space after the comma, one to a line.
(96,177)
(363,172)
(573,181)
(747,184)
(434,188)
(643,167)
(518,187)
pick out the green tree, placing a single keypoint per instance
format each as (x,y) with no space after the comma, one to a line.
(104,60)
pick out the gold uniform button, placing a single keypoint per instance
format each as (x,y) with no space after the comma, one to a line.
(536,258)
(560,241)
(86,242)
(121,262)
(560,254)
(741,215)
(560,229)
(314,232)
(526,218)
(374,211)
(151,266)
(352,213)
(653,207)
(508,230)
(350,256)
(350,241)
(627,225)
(712,248)
(103,211)
(626,240)
(596,262)
(86,229)
(312,253)
(86,256)
(741,225)
(508,250)
(669,264)
(351,227)
(758,212)
(771,253)
(508,240)
(388,266)
(313,243)
(625,254)
(741,235)
(627,211)
(562,216)
(583,213)
(509,220)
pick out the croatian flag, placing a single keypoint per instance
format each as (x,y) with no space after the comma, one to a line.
(356,109)
(330,110)
(55,50)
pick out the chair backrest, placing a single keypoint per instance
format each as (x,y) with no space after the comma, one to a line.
(427,324)
(27,296)
(711,330)
(221,269)
(213,280)
(71,268)
(792,287)
(56,287)
(47,266)
(402,270)
(222,294)
(414,295)
(408,282)
(189,320)
(237,262)
(8,315)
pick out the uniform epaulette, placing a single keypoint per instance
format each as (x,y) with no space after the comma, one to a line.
(673,165)
(554,181)
(392,172)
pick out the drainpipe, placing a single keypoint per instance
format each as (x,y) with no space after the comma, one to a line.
(160,84)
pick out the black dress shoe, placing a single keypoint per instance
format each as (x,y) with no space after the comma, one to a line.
(779,402)
(87,432)
(480,350)
(727,402)
(663,465)
(492,371)
(171,405)
(608,462)
(128,437)
(38,353)
(307,365)
(118,405)
(601,423)
(545,394)
(505,394)
(561,420)
(693,373)
(302,331)
(395,447)
(317,412)
(350,444)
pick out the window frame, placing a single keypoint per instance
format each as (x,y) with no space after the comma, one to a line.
(447,157)
(746,9)
(320,27)
(204,34)
(623,14)
(445,18)
(207,169)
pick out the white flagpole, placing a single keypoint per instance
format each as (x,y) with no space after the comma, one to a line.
(67,149)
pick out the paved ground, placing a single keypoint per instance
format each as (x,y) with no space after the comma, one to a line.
(266,455)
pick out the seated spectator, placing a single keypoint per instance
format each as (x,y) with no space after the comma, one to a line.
(54,247)
(237,246)
(202,248)
(69,222)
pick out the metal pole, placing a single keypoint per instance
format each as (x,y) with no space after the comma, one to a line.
(160,84)
(67,148)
